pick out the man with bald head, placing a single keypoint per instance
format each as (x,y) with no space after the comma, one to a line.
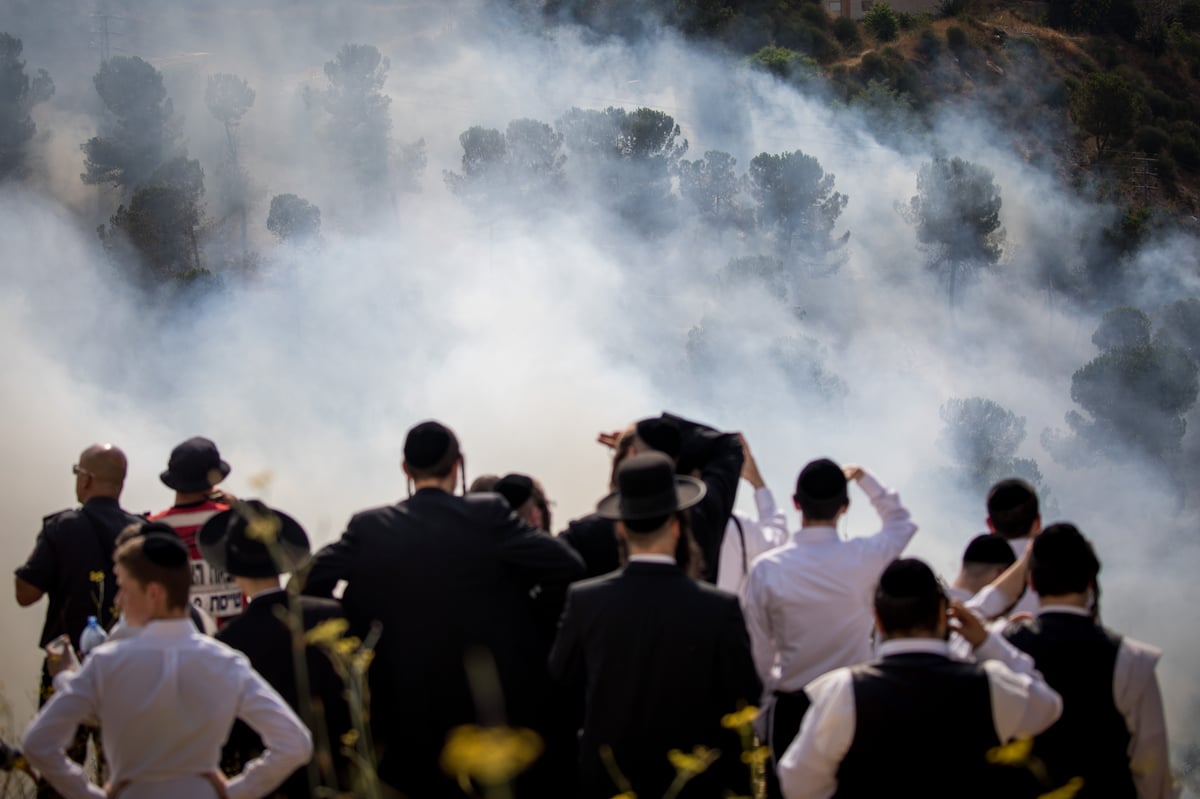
(71,562)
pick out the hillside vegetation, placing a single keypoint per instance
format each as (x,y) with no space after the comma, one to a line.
(1105,92)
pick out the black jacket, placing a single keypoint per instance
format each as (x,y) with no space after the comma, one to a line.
(72,547)
(718,457)
(448,577)
(263,636)
(652,660)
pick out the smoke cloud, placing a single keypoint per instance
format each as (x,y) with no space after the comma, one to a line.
(530,332)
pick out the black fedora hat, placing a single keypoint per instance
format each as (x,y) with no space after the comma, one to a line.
(232,541)
(647,486)
(195,465)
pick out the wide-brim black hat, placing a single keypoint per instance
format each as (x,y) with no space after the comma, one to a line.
(252,540)
(647,486)
(195,465)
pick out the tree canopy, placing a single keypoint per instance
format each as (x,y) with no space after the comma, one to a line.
(796,203)
(982,438)
(360,126)
(627,158)
(228,98)
(956,212)
(712,186)
(1106,107)
(142,133)
(524,163)
(293,219)
(18,95)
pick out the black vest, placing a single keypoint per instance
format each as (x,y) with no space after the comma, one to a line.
(1091,740)
(923,727)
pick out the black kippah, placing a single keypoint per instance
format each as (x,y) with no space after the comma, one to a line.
(989,548)
(427,444)
(821,479)
(908,578)
(516,488)
(1062,548)
(662,435)
(165,550)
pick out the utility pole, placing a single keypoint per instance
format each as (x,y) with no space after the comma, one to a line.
(106,27)
(1144,176)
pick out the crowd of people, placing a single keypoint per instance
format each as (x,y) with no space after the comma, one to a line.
(663,646)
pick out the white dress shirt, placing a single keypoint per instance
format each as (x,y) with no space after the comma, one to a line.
(166,699)
(766,532)
(1022,706)
(810,603)
(1139,701)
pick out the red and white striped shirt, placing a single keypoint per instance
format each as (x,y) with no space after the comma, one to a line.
(214,592)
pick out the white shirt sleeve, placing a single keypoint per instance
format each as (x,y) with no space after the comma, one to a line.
(988,603)
(758,625)
(286,741)
(898,529)
(808,769)
(53,730)
(1023,705)
(1139,700)
(998,648)
(771,520)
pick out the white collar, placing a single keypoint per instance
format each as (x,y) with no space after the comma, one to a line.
(1074,610)
(909,646)
(816,534)
(169,628)
(652,558)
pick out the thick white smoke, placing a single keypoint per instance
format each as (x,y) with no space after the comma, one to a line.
(529,335)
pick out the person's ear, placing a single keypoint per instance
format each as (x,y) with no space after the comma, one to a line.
(991,527)
(796,502)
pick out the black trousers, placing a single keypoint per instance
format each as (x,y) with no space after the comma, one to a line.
(783,723)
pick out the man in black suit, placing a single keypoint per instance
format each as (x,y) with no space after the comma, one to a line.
(448,578)
(275,544)
(697,450)
(655,658)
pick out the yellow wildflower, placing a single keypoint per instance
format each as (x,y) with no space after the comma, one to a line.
(1011,754)
(346,646)
(263,527)
(363,659)
(96,577)
(328,631)
(260,480)
(626,795)
(1068,791)
(741,718)
(693,763)
(350,738)
(489,755)
(756,756)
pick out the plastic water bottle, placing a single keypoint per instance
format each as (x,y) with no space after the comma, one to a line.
(93,635)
